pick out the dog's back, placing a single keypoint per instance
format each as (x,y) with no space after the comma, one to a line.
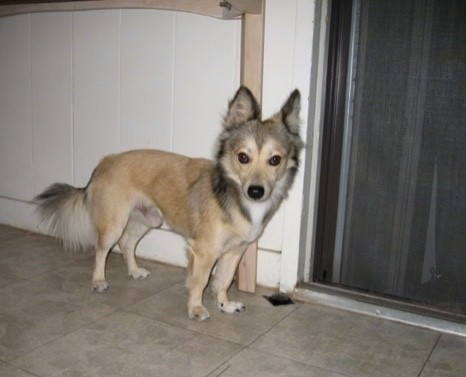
(149,178)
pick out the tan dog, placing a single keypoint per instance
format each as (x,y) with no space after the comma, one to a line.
(220,206)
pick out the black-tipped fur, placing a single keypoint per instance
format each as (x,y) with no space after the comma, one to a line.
(242,108)
(290,112)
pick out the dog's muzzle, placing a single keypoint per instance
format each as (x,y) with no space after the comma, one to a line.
(256,192)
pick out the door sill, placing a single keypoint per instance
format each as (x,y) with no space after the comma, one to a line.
(389,309)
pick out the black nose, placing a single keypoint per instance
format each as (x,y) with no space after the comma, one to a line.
(255,192)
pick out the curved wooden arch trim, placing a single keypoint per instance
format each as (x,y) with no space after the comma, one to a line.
(213,8)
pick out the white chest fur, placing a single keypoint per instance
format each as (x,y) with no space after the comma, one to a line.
(257,212)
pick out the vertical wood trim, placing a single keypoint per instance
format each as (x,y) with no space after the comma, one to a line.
(252,53)
(247,270)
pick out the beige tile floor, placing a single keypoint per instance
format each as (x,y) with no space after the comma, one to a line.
(52,325)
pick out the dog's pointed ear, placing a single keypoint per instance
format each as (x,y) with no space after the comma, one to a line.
(242,107)
(290,112)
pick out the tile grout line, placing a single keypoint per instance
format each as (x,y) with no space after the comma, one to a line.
(430,354)
(283,356)
(127,310)
(64,335)
(20,368)
(116,309)
(272,327)
(221,369)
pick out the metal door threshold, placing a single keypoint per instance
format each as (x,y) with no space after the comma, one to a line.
(389,309)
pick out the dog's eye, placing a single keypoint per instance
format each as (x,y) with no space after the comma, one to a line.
(243,158)
(275,160)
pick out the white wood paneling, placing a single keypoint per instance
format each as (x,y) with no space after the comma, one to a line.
(301,78)
(279,43)
(268,271)
(279,50)
(96,89)
(272,238)
(164,246)
(18,213)
(15,109)
(147,65)
(206,76)
(51,55)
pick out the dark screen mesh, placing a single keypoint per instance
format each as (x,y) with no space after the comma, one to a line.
(405,222)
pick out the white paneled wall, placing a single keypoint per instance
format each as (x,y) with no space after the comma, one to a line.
(96,89)
(75,86)
(16,173)
(205,78)
(52,95)
(147,45)
(287,65)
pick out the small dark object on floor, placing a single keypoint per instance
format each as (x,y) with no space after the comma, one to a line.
(279,299)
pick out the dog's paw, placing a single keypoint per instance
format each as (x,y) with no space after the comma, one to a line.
(199,313)
(231,307)
(100,286)
(139,273)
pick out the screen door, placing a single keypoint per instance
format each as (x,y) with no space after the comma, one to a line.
(400,222)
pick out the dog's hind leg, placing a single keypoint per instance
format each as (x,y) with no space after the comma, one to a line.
(99,284)
(141,220)
(200,265)
(224,273)
(108,234)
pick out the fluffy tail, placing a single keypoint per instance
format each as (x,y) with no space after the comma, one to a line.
(63,211)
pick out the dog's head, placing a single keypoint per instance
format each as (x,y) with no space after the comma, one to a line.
(260,157)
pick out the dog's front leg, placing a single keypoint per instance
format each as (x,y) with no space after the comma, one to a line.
(224,273)
(200,266)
